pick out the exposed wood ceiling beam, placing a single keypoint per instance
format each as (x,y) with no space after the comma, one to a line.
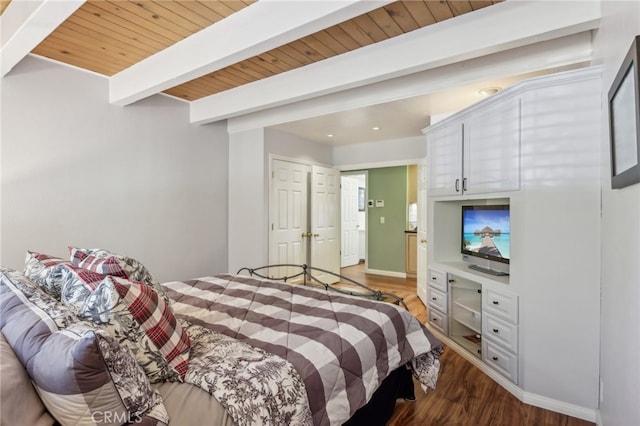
(260,27)
(569,50)
(25,23)
(504,26)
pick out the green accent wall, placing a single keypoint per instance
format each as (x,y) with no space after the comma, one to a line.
(386,241)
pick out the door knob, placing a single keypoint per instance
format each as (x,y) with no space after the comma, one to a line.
(306,234)
(316,235)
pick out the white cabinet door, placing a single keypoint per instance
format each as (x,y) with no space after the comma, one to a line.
(492,149)
(444,159)
(422,272)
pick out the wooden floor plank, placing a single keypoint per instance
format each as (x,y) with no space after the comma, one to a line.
(464,394)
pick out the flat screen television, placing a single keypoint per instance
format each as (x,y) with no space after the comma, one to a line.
(486,238)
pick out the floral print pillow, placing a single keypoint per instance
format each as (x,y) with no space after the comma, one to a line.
(141,320)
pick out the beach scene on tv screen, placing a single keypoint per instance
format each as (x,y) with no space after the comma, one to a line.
(487,232)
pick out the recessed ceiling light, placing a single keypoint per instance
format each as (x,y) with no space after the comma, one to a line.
(376,128)
(488,91)
(329,135)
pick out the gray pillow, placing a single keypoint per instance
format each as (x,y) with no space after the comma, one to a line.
(82,374)
(20,402)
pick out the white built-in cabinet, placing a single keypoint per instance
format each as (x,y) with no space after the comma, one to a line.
(536,147)
(421,273)
(476,154)
(444,177)
(437,294)
(480,319)
(500,331)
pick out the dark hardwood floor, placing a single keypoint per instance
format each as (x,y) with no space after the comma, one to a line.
(464,394)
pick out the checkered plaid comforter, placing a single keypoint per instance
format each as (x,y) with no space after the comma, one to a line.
(342,346)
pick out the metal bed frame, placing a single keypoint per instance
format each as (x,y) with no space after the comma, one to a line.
(308,279)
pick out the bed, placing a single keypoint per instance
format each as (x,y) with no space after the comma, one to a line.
(343,340)
(293,351)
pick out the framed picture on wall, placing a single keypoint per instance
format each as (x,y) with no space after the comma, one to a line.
(624,120)
(361,197)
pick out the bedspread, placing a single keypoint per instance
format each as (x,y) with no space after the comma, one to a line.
(241,377)
(342,346)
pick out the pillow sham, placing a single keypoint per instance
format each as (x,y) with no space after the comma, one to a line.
(44,270)
(108,263)
(77,285)
(82,374)
(137,317)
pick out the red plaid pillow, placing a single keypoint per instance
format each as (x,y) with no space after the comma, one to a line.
(45,259)
(157,321)
(107,263)
(140,319)
(101,265)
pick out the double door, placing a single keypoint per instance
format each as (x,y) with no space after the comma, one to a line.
(304,216)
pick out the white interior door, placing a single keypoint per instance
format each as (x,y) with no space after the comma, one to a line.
(325,219)
(289,213)
(349,207)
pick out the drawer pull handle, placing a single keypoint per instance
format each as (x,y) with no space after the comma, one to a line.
(434,278)
(434,298)
(452,280)
(434,319)
(495,302)
(495,358)
(495,330)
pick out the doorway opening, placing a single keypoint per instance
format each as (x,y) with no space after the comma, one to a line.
(353,244)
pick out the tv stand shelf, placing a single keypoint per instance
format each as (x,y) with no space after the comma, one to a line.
(487,270)
(462,270)
(465,323)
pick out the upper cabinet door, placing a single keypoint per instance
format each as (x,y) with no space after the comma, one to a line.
(492,148)
(444,159)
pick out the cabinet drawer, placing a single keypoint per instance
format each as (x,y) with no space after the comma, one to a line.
(439,321)
(500,360)
(501,332)
(501,305)
(438,280)
(437,299)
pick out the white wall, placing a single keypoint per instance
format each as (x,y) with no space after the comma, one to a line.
(248,203)
(620,293)
(390,152)
(295,148)
(138,180)
(249,154)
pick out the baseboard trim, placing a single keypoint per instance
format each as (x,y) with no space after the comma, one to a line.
(526,397)
(386,273)
(559,406)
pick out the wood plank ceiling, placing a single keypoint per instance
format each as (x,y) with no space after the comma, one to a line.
(108,36)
